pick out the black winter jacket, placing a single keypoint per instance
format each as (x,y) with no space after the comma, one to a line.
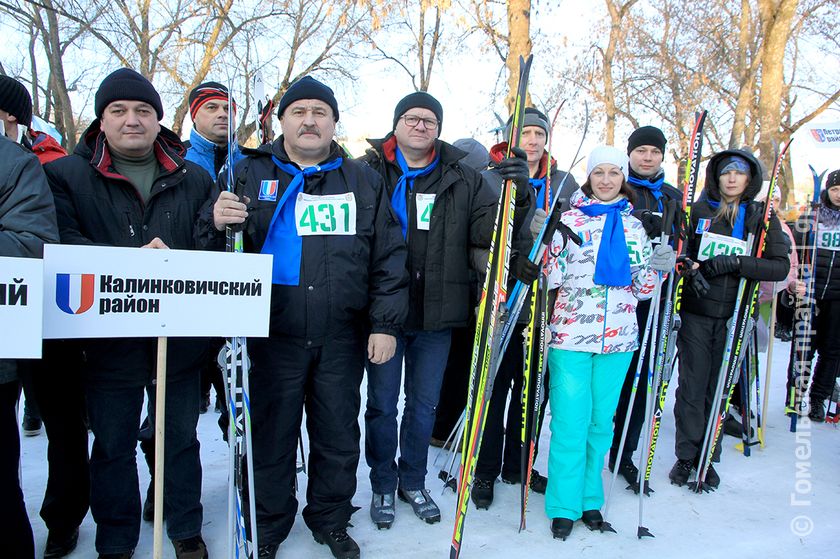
(348,284)
(462,218)
(643,199)
(97,206)
(774,263)
(827,269)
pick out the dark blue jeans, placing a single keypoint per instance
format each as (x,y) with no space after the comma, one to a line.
(425,355)
(114,409)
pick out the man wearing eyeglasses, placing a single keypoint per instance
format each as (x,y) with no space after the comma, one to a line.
(445,209)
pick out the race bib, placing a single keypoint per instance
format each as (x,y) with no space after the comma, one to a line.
(634,252)
(333,214)
(425,204)
(714,244)
(828,239)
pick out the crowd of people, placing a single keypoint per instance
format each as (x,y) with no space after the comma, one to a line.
(391,295)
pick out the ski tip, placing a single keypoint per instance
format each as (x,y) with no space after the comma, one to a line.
(643,532)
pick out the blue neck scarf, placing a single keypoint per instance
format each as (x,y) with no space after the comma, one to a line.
(282,239)
(655,186)
(539,187)
(738,228)
(612,266)
(399,198)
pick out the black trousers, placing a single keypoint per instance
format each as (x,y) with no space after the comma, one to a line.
(700,343)
(286,377)
(211,375)
(637,416)
(826,344)
(453,390)
(17,539)
(501,445)
(58,388)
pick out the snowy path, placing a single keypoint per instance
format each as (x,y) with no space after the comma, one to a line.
(749,516)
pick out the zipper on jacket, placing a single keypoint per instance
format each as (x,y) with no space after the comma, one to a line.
(130,227)
(606,313)
(827,277)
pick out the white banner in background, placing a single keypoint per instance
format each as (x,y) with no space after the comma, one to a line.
(111,292)
(21,307)
(825,135)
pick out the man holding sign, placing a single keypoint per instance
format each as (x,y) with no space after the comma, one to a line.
(128,185)
(338,276)
(445,209)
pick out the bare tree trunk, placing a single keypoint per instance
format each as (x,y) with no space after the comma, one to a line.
(64,119)
(519,44)
(33,65)
(776,19)
(617,13)
(746,71)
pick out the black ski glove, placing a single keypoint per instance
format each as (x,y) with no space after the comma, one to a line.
(720,265)
(515,168)
(650,221)
(523,269)
(694,279)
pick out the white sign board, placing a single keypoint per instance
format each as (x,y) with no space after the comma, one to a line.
(21,307)
(825,135)
(110,292)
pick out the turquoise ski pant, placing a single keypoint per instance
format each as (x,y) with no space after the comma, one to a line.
(583,393)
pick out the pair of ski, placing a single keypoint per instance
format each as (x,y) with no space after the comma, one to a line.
(241,542)
(801,352)
(660,332)
(737,339)
(497,316)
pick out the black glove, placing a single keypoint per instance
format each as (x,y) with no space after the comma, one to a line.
(720,265)
(515,168)
(650,221)
(523,269)
(693,278)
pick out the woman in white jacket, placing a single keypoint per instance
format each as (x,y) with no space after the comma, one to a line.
(593,333)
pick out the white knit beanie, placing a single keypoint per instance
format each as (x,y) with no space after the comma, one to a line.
(608,154)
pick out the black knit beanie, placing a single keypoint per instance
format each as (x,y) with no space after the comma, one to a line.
(422,100)
(833,179)
(126,85)
(15,100)
(531,117)
(646,136)
(308,88)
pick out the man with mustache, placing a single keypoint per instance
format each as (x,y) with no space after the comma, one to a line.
(339,295)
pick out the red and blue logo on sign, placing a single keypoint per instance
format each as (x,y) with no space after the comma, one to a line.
(586,237)
(74,292)
(268,190)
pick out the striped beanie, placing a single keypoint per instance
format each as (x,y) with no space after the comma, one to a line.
(206,92)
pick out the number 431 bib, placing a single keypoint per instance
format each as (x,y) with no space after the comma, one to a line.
(332,214)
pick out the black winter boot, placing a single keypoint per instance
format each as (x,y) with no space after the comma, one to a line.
(482,493)
(680,472)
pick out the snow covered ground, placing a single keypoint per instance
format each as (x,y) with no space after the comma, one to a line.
(781,501)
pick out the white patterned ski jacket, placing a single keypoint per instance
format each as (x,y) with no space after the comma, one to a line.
(589,317)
